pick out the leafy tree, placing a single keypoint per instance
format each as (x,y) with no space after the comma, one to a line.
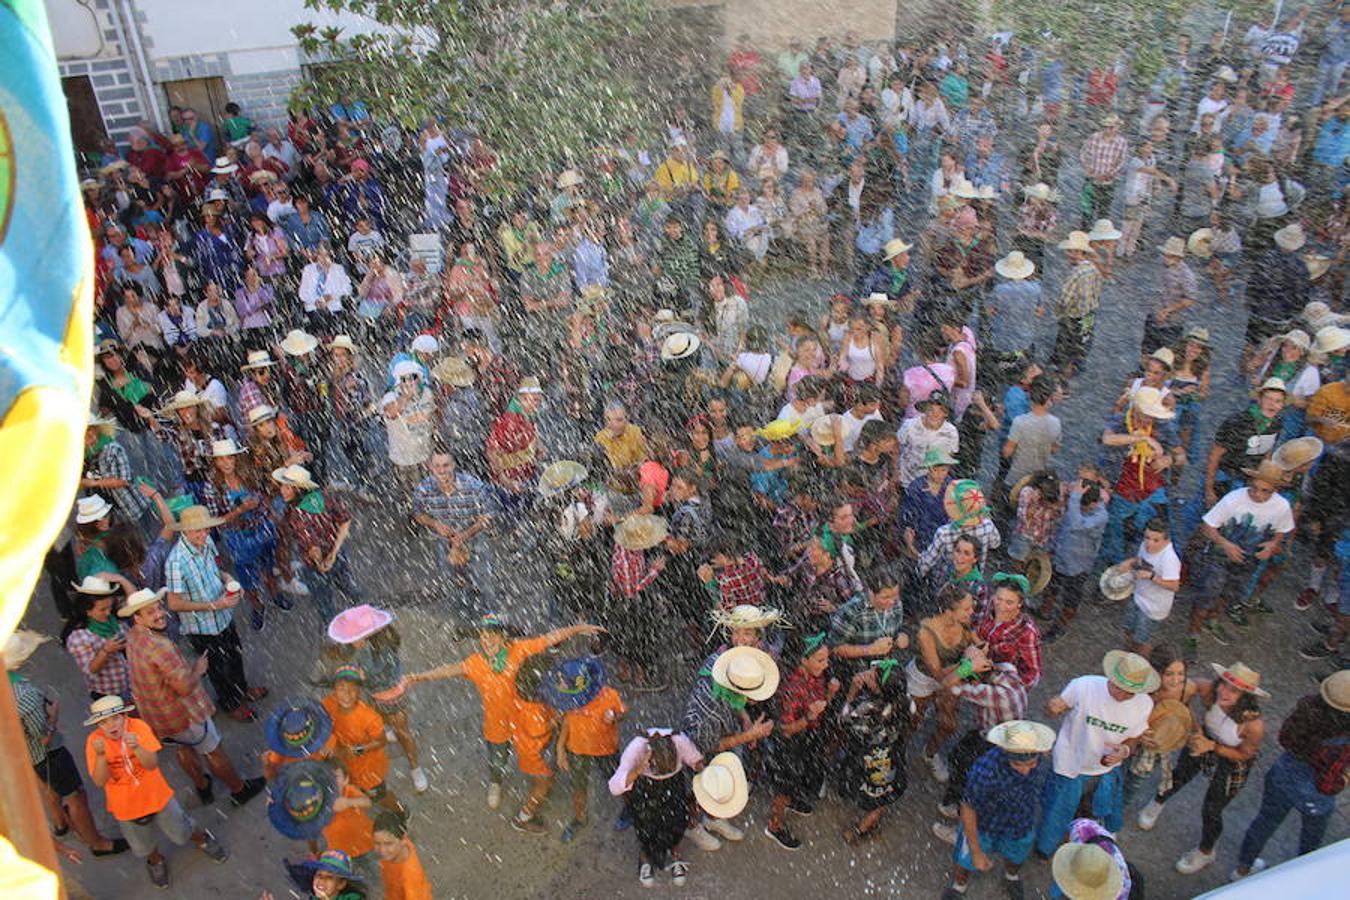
(543,82)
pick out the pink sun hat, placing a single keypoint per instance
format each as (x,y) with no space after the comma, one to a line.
(351,625)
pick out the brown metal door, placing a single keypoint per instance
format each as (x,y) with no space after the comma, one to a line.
(206,95)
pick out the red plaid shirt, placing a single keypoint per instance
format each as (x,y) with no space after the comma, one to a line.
(1037,520)
(157,666)
(1000,696)
(1017,642)
(741,583)
(1104,159)
(630,572)
(796,694)
(314,530)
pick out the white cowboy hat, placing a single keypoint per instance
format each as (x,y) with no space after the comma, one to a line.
(680,345)
(299,342)
(1318,316)
(262,175)
(894,247)
(1077,240)
(226,447)
(1318,265)
(640,532)
(1148,400)
(1086,872)
(965,190)
(91,509)
(223,166)
(1173,246)
(1290,238)
(425,343)
(295,476)
(258,359)
(20,646)
(216,195)
(1039,191)
(1015,266)
(107,707)
(182,400)
(140,600)
(1104,230)
(94,586)
(261,413)
(1299,338)
(748,671)
(1022,736)
(822,429)
(1201,243)
(1241,676)
(342,342)
(878,299)
(720,788)
(1116,582)
(1297,452)
(570,178)
(560,476)
(1273,384)
(1165,356)
(1226,73)
(1331,339)
(986,192)
(1335,690)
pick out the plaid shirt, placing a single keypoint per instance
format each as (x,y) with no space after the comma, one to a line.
(1103,159)
(858,622)
(1082,292)
(1036,519)
(156,663)
(939,550)
(1005,801)
(740,583)
(318,531)
(706,719)
(351,397)
(32,706)
(196,575)
(114,677)
(629,571)
(111,462)
(1001,696)
(460,509)
(251,396)
(793,525)
(796,694)
(1017,642)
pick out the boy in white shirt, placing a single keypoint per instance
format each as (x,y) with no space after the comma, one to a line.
(1157,575)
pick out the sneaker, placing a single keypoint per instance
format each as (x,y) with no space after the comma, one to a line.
(213,849)
(528,826)
(1305,600)
(679,872)
(949,810)
(1148,816)
(1237,615)
(419,779)
(207,795)
(1014,888)
(725,830)
(944,832)
(1322,628)
(938,766)
(1258,865)
(494,795)
(1190,650)
(784,838)
(703,839)
(1317,650)
(159,872)
(645,876)
(1218,632)
(1194,861)
(800,807)
(252,788)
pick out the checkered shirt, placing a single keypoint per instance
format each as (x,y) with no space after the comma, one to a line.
(998,697)
(114,677)
(32,706)
(629,571)
(1104,159)
(195,574)
(156,664)
(1082,292)
(741,583)
(858,622)
(1005,802)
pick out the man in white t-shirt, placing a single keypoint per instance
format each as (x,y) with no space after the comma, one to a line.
(1104,717)
(866,407)
(1246,527)
(1157,575)
(807,406)
(930,430)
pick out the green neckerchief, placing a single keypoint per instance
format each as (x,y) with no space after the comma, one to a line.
(833,544)
(15,677)
(1262,421)
(725,694)
(102,441)
(886,666)
(1285,371)
(466,263)
(974,575)
(497,661)
(134,390)
(312,502)
(898,279)
(1019,580)
(515,407)
(812,643)
(106,630)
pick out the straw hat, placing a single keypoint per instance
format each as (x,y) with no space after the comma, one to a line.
(90,184)
(822,429)
(1268,472)
(223,166)
(1104,230)
(351,625)
(455,371)
(97,421)
(680,345)
(1148,400)
(261,413)
(140,600)
(986,192)
(182,400)
(779,429)
(302,796)
(877,299)
(1130,672)
(1318,265)
(1298,338)
(108,345)
(297,728)
(1227,74)
(1039,191)
(1297,452)
(263,175)
(295,476)
(94,586)
(640,532)
(195,518)
(1291,238)
(1022,736)
(1086,872)
(1016,490)
(1172,724)
(1335,690)
(91,509)
(1077,240)
(1199,334)
(965,190)
(20,646)
(1117,582)
(1111,120)
(226,447)
(1173,246)
(1240,676)
(1273,384)
(299,342)
(106,707)
(1015,266)
(529,385)
(342,342)
(1039,570)
(1201,243)
(258,359)
(1165,356)
(216,195)
(560,476)
(748,671)
(720,788)
(572,683)
(1332,339)
(570,178)
(747,615)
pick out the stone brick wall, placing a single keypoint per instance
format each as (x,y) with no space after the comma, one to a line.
(263,95)
(112,77)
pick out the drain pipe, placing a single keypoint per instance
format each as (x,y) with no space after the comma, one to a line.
(131,31)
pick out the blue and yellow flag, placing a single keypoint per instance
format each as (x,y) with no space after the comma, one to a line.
(46,315)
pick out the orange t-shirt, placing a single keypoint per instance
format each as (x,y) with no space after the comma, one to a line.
(352,830)
(274,762)
(405,880)
(533,726)
(498,689)
(359,725)
(588,734)
(132,790)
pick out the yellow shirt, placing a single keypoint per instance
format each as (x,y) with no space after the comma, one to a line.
(628,449)
(673,174)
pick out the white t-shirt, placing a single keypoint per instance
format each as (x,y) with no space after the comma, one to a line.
(806,418)
(853,428)
(1154,600)
(410,434)
(916,439)
(1247,523)
(1095,722)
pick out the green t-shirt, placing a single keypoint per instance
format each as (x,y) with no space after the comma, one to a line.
(93,561)
(237,127)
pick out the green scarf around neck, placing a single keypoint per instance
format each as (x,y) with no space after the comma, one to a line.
(106,630)
(725,694)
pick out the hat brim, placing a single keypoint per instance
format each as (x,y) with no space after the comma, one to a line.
(85,518)
(1045,737)
(300,348)
(1171,710)
(1114,587)
(624,538)
(272,730)
(259,365)
(237,451)
(1226,675)
(1155,411)
(770,669)
(565,702)
(1109,662)
(108,714)
(383,618)
(575,472)
(1045,570)
(1061,867)
(208,522)
(1026,270)
(739,797)
(279,476)
(130,609)
(78,587)
(288,825)
(176,405)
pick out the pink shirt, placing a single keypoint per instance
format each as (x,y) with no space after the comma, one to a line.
(685,751)
(921,383)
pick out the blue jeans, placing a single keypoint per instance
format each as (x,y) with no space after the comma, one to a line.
(472,586)
(1060,804)
(1121,511)
(1289,786)
(323,585)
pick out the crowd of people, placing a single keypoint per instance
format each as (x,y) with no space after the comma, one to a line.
(302,329)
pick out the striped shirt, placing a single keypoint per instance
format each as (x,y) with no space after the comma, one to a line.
(707,719)
(32,706)
(195,574)
(114,677)
(859,622)
(458,509)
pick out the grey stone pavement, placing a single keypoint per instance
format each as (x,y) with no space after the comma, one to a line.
(472,852)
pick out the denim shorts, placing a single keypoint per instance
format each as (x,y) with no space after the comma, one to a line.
(1014,850)
(1138,625)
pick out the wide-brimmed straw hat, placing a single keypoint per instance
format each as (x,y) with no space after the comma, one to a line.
(1335,690)
(1297,452)
(1331,339)
(258,359)
(747,615)
(559,476)
(720,788)
(20,646)
(1130,672)
(641,532)
(351,625)
(1173,246)
(1022,736)
(182,400)
(1198,333)
(1318,315)
(965,190)
(106,707)
(299,342)
(1117,582)
(263,175)
(1318,265)
(529,385)
(1148,400)
(261,413)
(342,342)
(297,728)
(140,600)
(1291,238)
(94,586)
(1241,676)
(748,671)
(1201,243)
(1086,872)
(1104,230)
(227,447)
(1077,240)
(680,345)
(1039,191)
(1039,570)
(878,299)
(1165,356)
(1015,266)
(1172,724)
(1111,119)
(302,796)
(91,509)
(454,371)
(572,683)
(570,178)
(1268,472)
(894,247)
(296,477)
(1227,74)
(195,518)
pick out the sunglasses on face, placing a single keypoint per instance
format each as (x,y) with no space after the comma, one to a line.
(410,378)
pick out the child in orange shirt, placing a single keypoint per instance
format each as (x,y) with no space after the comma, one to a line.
(299,729)
(359,733)
(589,737)
(400,869)
(352,830)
